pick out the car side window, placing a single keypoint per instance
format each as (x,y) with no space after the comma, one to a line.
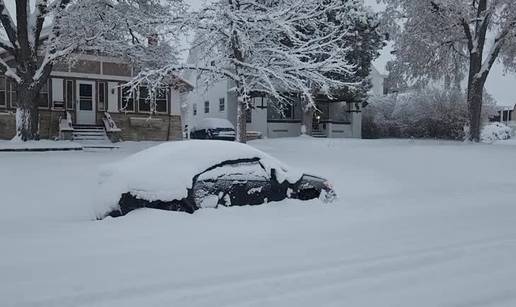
(238,171)
(246,183)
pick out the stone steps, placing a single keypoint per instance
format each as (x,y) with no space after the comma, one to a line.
(90,134)
(319,135)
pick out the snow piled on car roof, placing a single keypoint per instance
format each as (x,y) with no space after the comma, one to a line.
(165,172)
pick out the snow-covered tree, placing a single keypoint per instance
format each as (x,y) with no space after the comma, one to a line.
(449,39)
(276,48)
(363,41)
(44,32)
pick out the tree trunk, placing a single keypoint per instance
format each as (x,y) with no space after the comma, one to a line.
(27,116)
(476,84)
(477,76)
(308,117)
(242,118)
(475,99)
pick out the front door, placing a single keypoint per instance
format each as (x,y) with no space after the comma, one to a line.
(316,121)
(85,102)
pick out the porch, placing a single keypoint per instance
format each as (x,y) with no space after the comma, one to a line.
(336,120)
(331,119)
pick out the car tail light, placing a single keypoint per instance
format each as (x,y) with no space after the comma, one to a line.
(328,185)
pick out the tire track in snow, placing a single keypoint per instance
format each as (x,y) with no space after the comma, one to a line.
(278,282)
(309,283)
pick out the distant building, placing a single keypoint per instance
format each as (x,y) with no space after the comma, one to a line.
(333,119)
(506,115)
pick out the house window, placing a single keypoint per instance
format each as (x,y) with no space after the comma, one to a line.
(144,104)
(102,95)
(340,112)
(3,92)
(69,95)
(324,111)
(280,112)
(258,102)
(288,111)
(12,98)
(249,115)
(194,108)
(43,96)
(285,112)
(222,104)
(206,107)
(161,100)
(57,94)
(127,100)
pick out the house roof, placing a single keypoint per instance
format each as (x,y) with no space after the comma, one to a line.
(180,83)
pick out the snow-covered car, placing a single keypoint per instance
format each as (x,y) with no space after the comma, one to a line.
(214,129)
(189,175)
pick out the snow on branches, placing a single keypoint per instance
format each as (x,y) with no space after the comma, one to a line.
(50,31)
(448,39)
(271,47)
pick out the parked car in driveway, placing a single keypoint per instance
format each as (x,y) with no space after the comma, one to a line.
(213,129)
(190,175)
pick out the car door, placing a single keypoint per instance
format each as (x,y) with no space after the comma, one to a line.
(237,183)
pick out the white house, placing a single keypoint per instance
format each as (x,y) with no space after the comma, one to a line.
(334,120)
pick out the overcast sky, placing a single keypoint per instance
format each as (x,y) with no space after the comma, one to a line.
(502,86)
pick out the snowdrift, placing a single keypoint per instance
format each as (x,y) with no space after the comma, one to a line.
(495,132)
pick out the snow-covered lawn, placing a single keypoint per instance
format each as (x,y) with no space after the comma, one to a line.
(38,145)
(417,224)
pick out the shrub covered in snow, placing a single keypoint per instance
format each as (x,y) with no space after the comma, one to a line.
(429,113)
(494,132)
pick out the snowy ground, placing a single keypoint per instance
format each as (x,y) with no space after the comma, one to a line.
(417,224)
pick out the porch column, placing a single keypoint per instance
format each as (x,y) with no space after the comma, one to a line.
(356,120)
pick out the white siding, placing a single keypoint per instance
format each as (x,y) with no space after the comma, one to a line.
(340,131)
(200,95)
(259,119)
(281,130)
(112,97)
(175,102)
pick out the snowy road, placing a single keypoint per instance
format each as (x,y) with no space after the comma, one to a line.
(414,226)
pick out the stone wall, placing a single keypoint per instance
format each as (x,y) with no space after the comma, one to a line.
(137,127)
(7,125)
(48,124)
